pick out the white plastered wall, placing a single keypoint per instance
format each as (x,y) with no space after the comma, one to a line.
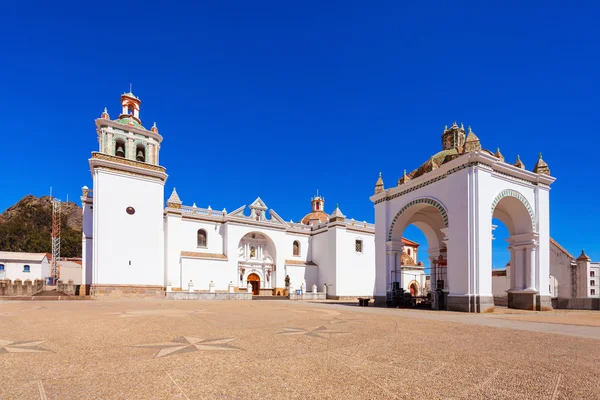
(128,249)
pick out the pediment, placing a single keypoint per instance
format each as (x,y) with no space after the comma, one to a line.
(258,204)
(238,212)
(276,217)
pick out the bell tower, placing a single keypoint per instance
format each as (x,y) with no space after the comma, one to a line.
(128,203)
(318,202)
(453,137)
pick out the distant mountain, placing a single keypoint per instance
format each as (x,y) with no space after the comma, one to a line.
(27,226)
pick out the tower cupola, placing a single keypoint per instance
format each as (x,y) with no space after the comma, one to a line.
(318,202)
(130,106)
(453,137)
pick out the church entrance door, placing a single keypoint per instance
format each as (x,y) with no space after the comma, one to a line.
(254,280)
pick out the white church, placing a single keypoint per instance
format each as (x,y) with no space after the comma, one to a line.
(134,245)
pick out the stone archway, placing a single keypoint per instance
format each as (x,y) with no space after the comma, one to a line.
(423,201)
(515,212)
(516,195)
(413,287)
(462,185)
(431,217)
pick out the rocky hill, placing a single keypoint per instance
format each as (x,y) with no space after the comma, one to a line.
(27,226)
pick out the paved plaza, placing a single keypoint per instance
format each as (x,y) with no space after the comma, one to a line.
(161,349)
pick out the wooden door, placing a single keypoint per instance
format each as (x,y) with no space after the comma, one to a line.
(254,280)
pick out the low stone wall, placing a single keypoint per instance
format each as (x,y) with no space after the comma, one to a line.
(307,296)
(66,288)
(349,298)
(209,296)
(20,288)
(501,301)
(577,303)
(118,291)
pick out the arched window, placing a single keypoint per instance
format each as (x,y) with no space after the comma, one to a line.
(201,238)
(296,248)
(120,148)
(1,267)
(409,252)
(26,268)
(140,153)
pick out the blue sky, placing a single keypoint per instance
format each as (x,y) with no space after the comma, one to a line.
(279,99)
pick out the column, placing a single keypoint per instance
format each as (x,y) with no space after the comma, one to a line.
(530,268)
(150,154)
(513,269)
(108,144)
(432,273)
(130,149)
(390,267)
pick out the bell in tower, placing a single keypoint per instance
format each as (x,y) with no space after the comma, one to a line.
(139,156)
(120,151)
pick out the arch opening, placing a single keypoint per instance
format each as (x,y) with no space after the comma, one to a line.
(120,148)
(430,218)
(513,222)
(257,258)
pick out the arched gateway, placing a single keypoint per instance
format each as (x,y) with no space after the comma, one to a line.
(452,198)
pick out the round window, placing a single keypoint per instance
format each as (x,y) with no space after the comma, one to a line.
(130,210)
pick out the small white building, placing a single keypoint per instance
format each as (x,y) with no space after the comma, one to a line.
(23,266)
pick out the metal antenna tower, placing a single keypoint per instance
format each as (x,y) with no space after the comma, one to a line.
(55,238)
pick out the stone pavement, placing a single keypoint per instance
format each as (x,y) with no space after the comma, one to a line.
(160,349)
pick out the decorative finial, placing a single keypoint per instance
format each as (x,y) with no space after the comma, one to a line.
(337,205)
(405,172)
(130,88)
(445,127)
(379,184)
(105,110)
(462,126)
(174,201)
(519,163)
(541,167)
(470,129)
(583,256)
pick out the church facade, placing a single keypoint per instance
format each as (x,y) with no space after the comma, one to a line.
(135,245)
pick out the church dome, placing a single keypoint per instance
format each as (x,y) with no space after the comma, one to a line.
(319,215)
(405,259)
(434,162)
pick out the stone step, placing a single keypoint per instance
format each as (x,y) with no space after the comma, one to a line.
(269,298)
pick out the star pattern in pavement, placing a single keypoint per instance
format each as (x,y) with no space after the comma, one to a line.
(6,346)
(187,344)
(320,332)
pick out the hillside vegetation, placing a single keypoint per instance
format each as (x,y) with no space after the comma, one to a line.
(27,227)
